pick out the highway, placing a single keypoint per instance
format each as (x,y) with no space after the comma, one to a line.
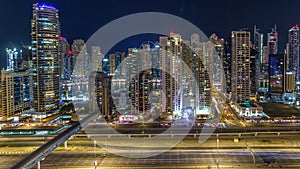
(183,127)
(82,140)
(179,158)
(270,151)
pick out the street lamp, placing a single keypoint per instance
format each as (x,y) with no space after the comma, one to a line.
(217,160)
(39,163)
(217,145)
(95,164)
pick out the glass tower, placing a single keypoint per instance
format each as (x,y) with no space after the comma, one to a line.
(45,31)
(293,52)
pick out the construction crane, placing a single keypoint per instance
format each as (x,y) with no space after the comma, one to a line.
(12,45)
(244,29)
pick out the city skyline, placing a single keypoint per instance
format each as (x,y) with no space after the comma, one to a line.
(219,18)
(149,89)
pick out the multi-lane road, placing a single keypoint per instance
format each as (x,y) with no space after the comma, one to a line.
(179,158)
(270,151)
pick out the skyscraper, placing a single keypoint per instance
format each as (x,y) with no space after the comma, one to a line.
(258,43)
(68,65)
(218,44)
(293,52)
(254,70)
(45,31)
(273,41)
(171,75)
(101,93)
(81,58)
(96,57)
(227,63)
(15,93)
(64,50)
(115,60)
(144,73)
(77,45)
(240,80)
(277,74)
(12,59)
(290,82)
(140,88)
(26,57)
(198,57)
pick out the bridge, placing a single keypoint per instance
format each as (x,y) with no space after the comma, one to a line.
(47,148)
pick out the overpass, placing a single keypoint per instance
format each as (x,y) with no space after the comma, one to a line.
(47,148)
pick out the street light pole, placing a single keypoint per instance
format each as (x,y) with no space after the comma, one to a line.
(217,145)
(217,160)
(39,164)
(252,153)
(95,162)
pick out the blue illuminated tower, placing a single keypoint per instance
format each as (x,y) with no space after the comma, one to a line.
(277,74)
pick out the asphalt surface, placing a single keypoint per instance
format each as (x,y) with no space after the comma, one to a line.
(270,151)
(229,158)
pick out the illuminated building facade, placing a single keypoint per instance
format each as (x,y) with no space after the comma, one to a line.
(77,46)
(82,60)
(64,51)
(68,65)
(45,32)
(265,63)
(258,43)
(195,56)
(96,57)
(115,66)
(240,80)
(227,64)
(101,93)
(171,75)
(143,69)
(26,57)
(12,59)
(140,88)
(277,74)
(293,52)
(290,83)
(15,93)
(273,41)
(177,82)
(254,70)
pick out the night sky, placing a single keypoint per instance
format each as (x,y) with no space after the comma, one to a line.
(81,18)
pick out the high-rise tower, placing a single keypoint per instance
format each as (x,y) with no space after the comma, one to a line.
(240,81)
(273,41)
(258,44)
(45,31)
(293,52)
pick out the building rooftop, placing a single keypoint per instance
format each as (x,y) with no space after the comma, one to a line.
(280,110)
(248,104)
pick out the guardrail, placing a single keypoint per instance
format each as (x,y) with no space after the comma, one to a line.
(45,149)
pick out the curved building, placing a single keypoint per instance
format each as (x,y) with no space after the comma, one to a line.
(45,31)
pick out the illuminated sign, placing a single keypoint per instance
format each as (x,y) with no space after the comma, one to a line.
(127,117)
